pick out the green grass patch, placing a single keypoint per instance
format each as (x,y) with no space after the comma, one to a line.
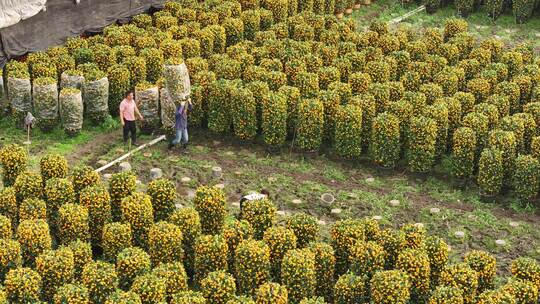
(480,24)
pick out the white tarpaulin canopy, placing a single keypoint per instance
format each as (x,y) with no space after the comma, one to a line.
(13,11)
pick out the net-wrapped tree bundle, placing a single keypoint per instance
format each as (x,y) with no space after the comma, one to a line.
(168,109)
(20,92)
(147,96)
(177,89)
(96,96)
(45,95)
(177,80)
(72,79)
(71,110)
(310,124)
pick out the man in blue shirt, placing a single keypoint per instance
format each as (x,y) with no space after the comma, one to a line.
(180,126)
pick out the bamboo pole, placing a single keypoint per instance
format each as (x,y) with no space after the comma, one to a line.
(139,148)
(407,15)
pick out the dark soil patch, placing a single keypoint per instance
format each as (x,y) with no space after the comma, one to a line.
(356,173)
(94,149)
(353,182)
(101,145)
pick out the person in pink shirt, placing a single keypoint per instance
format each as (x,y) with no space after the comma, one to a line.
(128,110)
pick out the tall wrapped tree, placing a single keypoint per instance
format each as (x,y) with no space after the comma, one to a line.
(137,211)
(298,274)
(261,214)
(163,194)
(526,177)
(274,120)
(252,266)
(422,144)
(280,240)
(463,152)
(13,159)
(210,255)
(244,114)
(310,124)
(390,286)
(211,204)
(348,137)
(385,139)
(188,220)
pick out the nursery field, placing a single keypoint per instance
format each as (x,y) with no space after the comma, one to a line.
(290,176)
(505,229)
(402,161)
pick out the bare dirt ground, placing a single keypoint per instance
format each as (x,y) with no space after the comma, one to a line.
(291,176)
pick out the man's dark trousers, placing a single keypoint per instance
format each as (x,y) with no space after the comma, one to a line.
(130,127)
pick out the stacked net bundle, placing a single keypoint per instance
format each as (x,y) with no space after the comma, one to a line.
(72,79)
(177,81)
(45,95)
(96,97)
(71,110)
(20,91)
(168,108)
(147,97)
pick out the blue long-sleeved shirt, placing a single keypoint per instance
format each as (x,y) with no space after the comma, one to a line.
(181,116)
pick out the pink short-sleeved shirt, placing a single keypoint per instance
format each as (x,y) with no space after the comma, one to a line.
(128,108)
